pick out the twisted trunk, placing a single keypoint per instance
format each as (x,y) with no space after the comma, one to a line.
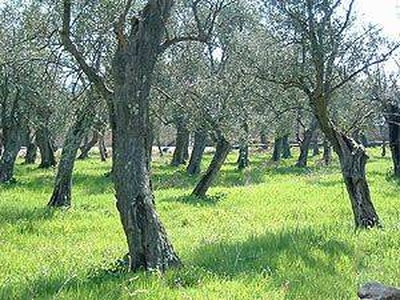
(243,159)
(353,158)
(221,152)
(276,155)
(12,139)
(305,144)
(43,140)
(102,148)
(327,154)
(85,149)
(133,67)
(393,120)
(286,147)
(31,148)
(194,166)
(61,195)
(181,153)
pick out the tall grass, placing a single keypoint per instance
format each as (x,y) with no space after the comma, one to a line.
(272,231)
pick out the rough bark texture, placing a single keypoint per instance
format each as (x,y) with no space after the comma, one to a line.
(353,158)
(327,154)
(12,138)
(62,188)
(194,166)
(102,148)
(286,153)
(276,155)
(378,291)
(305,144)
(393,120)
(243,159)
(31,148)
(133,67)
(181,154)
(221,152)
(85,149)
(43,140)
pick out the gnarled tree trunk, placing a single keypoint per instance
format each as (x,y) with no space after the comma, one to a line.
(305,144)
(200,139)
(286,147)
(133,68)
(221,152)
(12,138)
(327,154)
(278,144)
(43,140)
(181,153)
(353,158)
(102,148)
(31,148)
(393,120)
(243,159)
(62,188)
(85,149)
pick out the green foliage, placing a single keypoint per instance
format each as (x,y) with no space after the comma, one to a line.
(268,232)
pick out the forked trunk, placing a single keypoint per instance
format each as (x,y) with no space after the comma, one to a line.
(43,140)
(62,188)
(221,152)
(12,144)
(85,149)
(181,153)
(133,67)
(194,166)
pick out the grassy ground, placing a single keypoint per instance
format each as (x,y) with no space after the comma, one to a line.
(270,232)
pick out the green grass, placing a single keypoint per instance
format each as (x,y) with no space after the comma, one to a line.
(270,232)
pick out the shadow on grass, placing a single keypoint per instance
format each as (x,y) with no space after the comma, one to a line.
(14,215)
(267,252)
(197,201)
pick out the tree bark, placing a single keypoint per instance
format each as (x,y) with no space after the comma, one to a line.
(200,140)
(276,155)
(85,149)
(181,154)
(133,68)
(61,196)
(286,147)
(102,148)
(327,154)
(43,140)
(243,159)
(31,148)
(393,120)
(12,138)
(305,144)
(353,158)
(221,152)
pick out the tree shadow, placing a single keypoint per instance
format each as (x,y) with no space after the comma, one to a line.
(284,256)
(15,215)
(209,200)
